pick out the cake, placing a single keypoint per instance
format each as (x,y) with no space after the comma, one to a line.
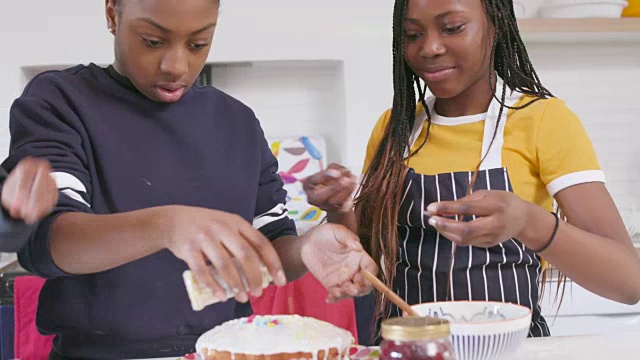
(276,337)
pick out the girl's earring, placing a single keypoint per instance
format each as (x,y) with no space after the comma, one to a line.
(112,30)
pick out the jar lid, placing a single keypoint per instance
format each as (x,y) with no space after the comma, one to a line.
(414,328)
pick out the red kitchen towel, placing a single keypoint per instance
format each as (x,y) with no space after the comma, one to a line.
(306,297)
(28,343)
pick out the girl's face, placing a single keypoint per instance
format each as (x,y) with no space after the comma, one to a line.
(447,43)
(162,45)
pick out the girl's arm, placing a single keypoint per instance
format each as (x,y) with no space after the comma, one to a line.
(347,219)
(594,248)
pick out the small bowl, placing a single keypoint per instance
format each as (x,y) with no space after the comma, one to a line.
(482,330)
(582,8)
(525,9)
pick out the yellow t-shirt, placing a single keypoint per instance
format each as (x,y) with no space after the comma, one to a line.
(546,148)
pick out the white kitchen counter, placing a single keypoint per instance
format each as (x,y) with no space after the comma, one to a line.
(615,346)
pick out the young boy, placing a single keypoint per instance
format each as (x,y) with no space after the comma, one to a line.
(158,176)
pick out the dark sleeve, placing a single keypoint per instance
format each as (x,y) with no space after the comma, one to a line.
(271,215)
(14,233)
(43,124)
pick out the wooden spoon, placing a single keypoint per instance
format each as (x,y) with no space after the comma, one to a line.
(389,293)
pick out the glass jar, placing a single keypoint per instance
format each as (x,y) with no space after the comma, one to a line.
(416,338)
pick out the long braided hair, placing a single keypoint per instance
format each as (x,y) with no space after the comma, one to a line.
(378,202)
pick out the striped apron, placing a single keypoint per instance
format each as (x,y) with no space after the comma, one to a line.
(509,272)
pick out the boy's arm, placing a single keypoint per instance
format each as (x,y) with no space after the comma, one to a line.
(27,194)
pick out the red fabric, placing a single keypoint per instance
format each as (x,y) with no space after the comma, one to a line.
(28,343)
(306,297)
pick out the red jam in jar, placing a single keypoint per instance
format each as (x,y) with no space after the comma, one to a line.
(416,338)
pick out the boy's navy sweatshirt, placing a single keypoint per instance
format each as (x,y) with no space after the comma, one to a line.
(113,150)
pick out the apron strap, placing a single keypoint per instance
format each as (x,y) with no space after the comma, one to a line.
(421,118)
(493,157)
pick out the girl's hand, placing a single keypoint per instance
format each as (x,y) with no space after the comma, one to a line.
(332,189)
(498,216)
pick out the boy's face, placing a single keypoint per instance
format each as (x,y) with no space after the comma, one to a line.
(448,43)
(162,45)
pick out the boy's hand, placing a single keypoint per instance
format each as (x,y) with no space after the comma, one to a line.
(198,236)
(29,193)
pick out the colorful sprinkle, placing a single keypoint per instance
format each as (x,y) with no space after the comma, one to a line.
(262,321)
(363,353)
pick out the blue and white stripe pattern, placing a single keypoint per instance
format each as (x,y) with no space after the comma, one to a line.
(508,272)
(487,347)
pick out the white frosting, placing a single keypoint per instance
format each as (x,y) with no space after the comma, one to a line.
(262,336)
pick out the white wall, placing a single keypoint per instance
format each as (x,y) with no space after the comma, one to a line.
(600,83)
(291,98)
(355,34)
(44,34)
(348,43)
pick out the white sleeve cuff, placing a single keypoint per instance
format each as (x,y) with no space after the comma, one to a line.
(275,214)
(71,186)
(575,178)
